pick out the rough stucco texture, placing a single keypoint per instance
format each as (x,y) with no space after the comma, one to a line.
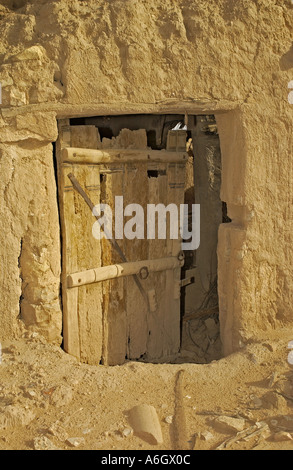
(61,54)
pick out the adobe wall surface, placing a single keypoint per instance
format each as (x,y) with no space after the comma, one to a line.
(70,58)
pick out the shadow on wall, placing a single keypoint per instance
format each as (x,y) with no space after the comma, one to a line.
(286,61)
(14,4)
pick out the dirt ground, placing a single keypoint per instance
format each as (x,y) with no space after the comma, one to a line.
(48,400)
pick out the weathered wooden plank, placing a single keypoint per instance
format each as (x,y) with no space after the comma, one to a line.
(69,263)
(115,323)
(66,198)
(157,194)
(135,180)
(84,137)
(88,256)
(176,174)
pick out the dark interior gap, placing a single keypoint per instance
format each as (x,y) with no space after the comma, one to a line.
(55,166)
(156,173)
(156,126)
(20,275)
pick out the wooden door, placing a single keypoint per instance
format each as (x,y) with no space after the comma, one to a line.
(136,314)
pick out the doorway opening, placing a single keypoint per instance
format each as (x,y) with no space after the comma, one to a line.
(182,329)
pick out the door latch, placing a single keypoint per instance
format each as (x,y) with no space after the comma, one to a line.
(187,281)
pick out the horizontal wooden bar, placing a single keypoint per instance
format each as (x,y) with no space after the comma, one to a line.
(140,268)
(194,106)
(79,155)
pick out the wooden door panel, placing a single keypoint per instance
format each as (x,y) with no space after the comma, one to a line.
(111,321)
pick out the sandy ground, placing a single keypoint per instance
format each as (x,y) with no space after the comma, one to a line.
(47,398)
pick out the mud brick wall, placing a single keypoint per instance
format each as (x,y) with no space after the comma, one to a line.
(88,58)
